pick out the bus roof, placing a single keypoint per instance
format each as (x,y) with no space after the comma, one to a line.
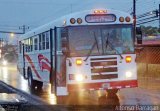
(65,21)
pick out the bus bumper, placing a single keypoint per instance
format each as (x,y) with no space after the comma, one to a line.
(103,85)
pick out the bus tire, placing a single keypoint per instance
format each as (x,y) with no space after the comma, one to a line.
(24,74)
(39,85)
(33,84)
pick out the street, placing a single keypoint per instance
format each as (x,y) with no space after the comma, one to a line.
(131,96)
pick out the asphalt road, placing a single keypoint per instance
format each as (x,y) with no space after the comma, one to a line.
(131,96)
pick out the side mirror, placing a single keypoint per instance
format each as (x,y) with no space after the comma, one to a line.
(139,35)
(65,49)
(64,41)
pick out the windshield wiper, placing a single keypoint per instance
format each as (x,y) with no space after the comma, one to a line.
(95,43)
(108,43)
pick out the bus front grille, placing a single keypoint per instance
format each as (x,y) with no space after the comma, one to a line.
(104,68)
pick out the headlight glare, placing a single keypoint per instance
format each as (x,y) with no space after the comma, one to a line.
(128,74)
(4,62)
(79,77)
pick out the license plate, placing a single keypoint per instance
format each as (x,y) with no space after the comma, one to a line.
(106,85)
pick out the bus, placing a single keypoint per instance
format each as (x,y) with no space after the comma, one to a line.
(82,51)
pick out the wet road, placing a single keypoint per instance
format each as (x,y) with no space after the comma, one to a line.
(134,96)
(9,75)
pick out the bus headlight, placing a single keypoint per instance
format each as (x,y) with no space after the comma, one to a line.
(79,77)
(128,74)
(4,62)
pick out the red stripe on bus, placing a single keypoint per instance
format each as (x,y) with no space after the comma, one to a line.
(96,86)
(32,65)
(44,63)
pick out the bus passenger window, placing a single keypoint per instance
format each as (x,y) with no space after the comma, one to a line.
(20,46)
(47,40)
(43,41)
(35,44)
(40,42)
(31,44)
(26,48)
(26,45)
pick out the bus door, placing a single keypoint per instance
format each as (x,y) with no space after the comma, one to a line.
(59,62)
(23,61)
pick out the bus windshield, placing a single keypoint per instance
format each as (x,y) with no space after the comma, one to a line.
(100,40)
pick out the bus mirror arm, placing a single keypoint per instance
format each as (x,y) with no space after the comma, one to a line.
(65,51)
(139,39)
(69,62)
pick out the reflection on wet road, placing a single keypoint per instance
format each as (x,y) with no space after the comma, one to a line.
(10,76)
(82,98)
(134,96)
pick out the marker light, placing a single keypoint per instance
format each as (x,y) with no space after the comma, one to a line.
(64,22)
(12,34)
(128,74)
(79,77)
(128,59)
(100,11)
(121,19)
(79,61)
(79,20)
(127,19)
(72,20)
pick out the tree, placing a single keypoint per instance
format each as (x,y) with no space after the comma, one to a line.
(149,30)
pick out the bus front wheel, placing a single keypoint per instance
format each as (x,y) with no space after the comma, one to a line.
(33,84)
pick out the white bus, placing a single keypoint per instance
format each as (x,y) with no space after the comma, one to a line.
(87,50)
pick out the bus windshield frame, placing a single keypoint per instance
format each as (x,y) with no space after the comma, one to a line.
(100,38)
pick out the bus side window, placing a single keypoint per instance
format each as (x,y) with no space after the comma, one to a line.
(40,41)
(26,48)
(47,40)
(36,44)
(27,45)
(43,40)
(20,46)
(31,44)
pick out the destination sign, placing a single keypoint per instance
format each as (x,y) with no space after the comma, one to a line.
(100,18)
